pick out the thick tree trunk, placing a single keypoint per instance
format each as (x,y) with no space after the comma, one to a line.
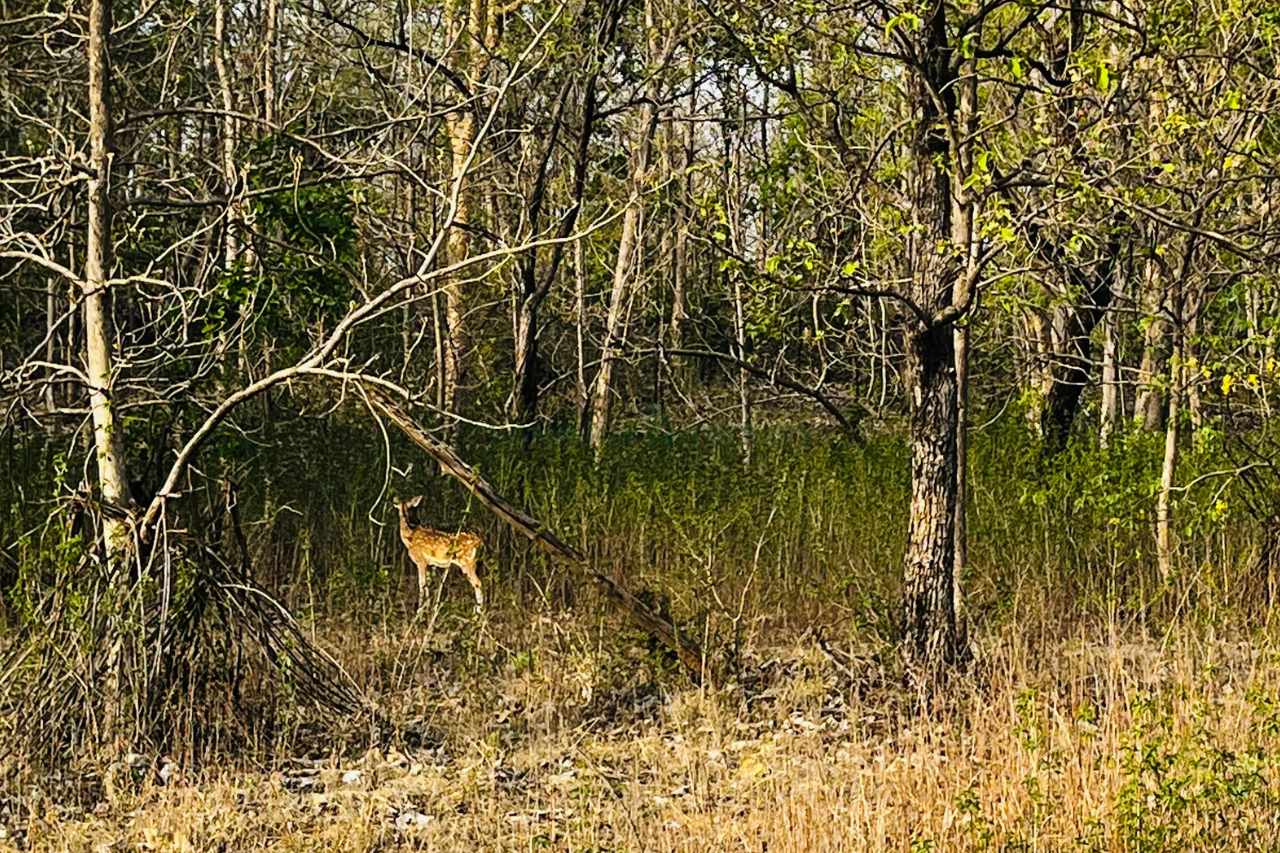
(462,130)
(107,431)
(928,581)
(930,640)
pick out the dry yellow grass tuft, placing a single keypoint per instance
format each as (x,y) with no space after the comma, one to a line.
(1098,742)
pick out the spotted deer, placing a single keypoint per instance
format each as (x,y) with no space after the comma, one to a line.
(429,548)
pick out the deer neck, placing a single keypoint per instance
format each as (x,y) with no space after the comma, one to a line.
(406,529)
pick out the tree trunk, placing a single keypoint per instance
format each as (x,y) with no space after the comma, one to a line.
(1109,416)
(229,130)
(270,30)
(457,246)
(526,360)
(1168,469)
(614,323)
(744,388)
(1149,406)
(929,594)
(1069,375)
(961,526)
(628,243)
(468,26)
(930,639)
(107,432)
(580,300)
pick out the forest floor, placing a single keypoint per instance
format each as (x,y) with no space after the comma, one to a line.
(553,732)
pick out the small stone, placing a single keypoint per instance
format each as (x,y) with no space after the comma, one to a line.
(351,777)
(168,772)
(410,819)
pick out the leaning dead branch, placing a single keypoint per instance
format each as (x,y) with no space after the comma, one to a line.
(686,650)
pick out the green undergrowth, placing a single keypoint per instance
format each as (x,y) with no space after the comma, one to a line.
(811,527)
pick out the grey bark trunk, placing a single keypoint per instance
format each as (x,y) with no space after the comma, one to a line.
(628,242)
(107,434)
(1109,416)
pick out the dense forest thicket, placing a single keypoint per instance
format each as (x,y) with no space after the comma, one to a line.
(866,409)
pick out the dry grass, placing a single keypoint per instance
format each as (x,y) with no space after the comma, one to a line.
(552,734)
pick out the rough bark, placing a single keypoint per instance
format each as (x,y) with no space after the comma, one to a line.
(930,640)
(108,438)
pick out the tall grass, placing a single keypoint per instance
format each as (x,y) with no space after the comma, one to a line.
(1107,710)
(812,527)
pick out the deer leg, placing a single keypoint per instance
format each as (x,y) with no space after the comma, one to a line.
(469,569)
(423,592)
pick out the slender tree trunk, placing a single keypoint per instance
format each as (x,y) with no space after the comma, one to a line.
(1168,469)
(680,253)
(961,527)
(270,30)
(469,30)
(1039,355)
(229,131)
(1149,408)
(628,244)
(744,388)
(50,347)
(614,324)
(1109,416)
(526,359)
(107,431)
(963,214)
(580,300)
